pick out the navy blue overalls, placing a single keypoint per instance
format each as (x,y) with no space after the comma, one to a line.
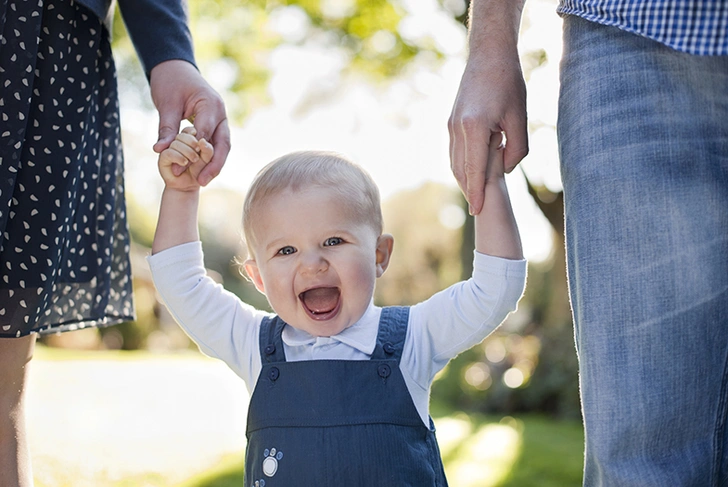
(339,423)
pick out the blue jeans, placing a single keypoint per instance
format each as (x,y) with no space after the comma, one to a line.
(643,136)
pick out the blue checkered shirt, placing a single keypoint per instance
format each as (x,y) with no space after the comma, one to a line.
(692,26)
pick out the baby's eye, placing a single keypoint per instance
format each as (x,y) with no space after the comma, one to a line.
(330,242)
(287,250)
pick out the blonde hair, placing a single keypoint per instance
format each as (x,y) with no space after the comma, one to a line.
(306,169)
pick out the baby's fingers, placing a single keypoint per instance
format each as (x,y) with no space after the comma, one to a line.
(186,145)
(172,156)
(206,150)
(196,168)
(177,169)
(171,164)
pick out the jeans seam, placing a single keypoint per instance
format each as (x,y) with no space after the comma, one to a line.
(719,435)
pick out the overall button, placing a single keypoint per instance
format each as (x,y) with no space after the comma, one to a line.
(384,371)
(388,348)
(270,349)
(274,373)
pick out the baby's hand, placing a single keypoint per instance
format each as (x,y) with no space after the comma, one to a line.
(183,161)
(495,168)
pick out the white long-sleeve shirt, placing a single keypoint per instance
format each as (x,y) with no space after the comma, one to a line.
(439,328)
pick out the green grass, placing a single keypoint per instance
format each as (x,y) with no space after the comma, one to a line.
(551,456)
(530,451)
(229,473)
(62,476)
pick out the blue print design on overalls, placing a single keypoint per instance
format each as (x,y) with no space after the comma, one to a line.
(338,422)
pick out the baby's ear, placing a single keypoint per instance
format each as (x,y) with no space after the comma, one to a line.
(251,269)
(385,244)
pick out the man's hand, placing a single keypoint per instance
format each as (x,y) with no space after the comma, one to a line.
(179,92)
(491,99)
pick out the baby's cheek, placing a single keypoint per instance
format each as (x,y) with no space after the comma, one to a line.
(366,275)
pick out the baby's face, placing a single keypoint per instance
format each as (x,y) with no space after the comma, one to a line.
(314,261)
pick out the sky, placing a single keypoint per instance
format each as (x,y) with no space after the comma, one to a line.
(397,132)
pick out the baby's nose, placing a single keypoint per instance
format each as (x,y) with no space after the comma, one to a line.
(313,262)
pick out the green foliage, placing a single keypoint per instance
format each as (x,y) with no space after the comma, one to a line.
(355,25)
(554,385)
(142,221)
(528,364)
(233,36)
(235,40)
(425,258)
(221,235)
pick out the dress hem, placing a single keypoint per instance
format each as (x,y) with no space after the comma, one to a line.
(76,325)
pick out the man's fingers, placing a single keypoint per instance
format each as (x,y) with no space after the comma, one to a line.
(516,145)
(469,158)
(475,186)
(221,144)
(475,162)
(455,144)
(457,150)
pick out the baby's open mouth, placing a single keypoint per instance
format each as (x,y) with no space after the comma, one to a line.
(320,301)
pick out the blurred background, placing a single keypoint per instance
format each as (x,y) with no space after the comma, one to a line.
(137,405)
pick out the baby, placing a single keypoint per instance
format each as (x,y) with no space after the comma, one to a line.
(340,387)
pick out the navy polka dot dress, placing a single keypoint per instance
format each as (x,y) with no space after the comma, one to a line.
(64,246)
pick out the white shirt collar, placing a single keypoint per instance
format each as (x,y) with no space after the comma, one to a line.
(361,336)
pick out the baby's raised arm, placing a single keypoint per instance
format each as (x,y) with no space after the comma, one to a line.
(179,166)
(496,233)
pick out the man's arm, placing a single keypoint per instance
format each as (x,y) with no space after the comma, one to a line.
(491,98)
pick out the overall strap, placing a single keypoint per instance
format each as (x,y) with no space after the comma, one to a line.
(392,333)
(271,344)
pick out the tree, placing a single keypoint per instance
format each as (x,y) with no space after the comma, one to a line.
(238,37)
